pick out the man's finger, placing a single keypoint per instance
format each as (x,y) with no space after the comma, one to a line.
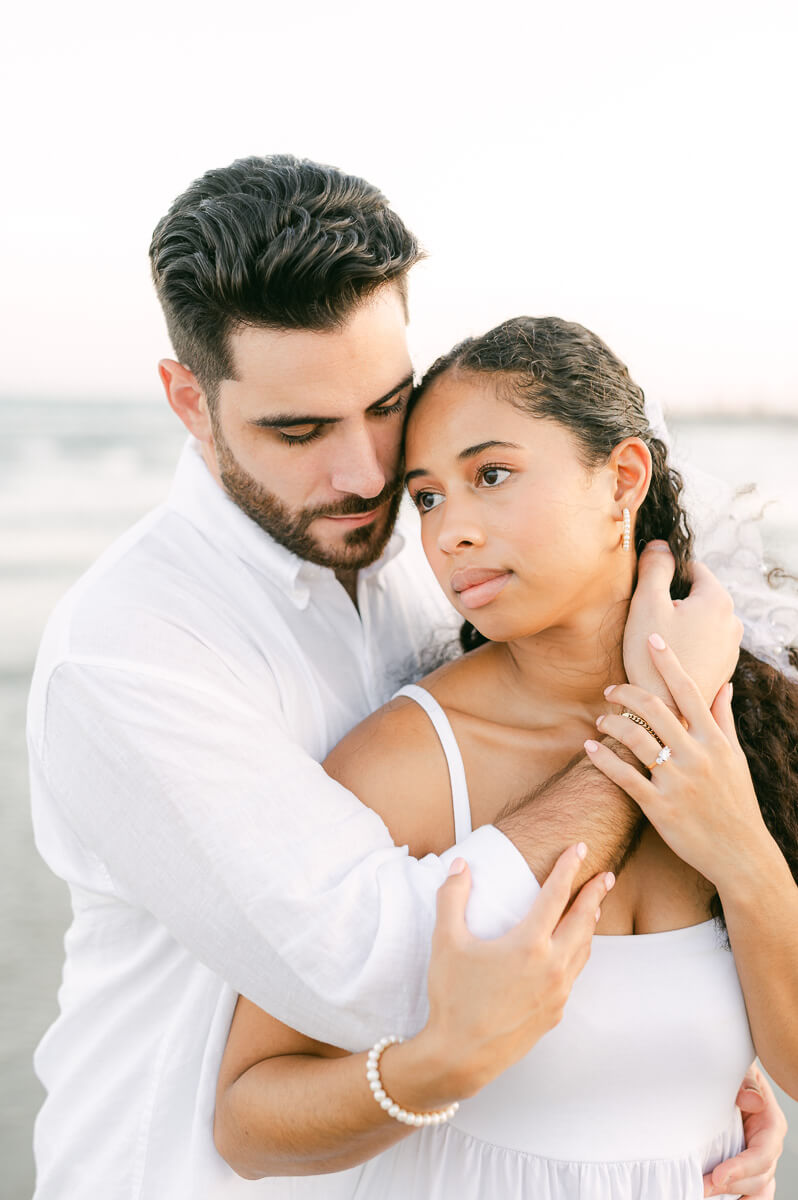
(655,569)
(703,583)
(688,698)
(723,716)
(452,899)
(553,898)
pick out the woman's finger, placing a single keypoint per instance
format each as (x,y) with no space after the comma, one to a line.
(575,930)
(452,900)
(685,692)
(627,777)
(654,712)
(643,745)
(554,895)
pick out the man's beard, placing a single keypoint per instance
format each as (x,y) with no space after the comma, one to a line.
(359,547)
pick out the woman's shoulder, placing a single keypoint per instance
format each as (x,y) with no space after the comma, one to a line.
(394,762)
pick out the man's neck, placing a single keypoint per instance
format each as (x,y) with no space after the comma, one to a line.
(348,581)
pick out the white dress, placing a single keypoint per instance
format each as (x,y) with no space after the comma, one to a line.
(630,1097)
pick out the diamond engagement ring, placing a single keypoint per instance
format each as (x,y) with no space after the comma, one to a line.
(661,758)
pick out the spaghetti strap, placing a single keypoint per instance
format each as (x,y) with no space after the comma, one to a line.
(457,778)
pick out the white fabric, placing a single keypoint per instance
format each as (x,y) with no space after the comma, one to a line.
(630,1097)
(454,759)
(184,691)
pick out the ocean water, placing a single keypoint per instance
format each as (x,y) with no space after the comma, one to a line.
(72,477)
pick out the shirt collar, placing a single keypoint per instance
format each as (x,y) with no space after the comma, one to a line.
(197,496)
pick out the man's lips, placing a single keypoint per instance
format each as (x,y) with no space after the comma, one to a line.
(476,586)
(354,520)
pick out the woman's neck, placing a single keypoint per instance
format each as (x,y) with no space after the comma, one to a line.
(566,667)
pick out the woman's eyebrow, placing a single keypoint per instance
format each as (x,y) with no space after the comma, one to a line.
(469,452)
(286,420)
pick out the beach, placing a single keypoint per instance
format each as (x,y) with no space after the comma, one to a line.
(74,476)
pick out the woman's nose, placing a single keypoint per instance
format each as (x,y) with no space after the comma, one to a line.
(459,527)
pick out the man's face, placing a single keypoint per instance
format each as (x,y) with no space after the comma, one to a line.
(307,437)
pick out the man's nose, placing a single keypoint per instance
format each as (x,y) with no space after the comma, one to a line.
(459,527)
(357,470)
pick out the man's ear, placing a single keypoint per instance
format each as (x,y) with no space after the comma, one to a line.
(631,465)
(187,398)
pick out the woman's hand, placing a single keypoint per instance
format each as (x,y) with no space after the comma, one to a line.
(752,1172)
(700,797)
(490,1001)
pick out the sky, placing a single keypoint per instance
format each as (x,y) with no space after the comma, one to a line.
(623,164)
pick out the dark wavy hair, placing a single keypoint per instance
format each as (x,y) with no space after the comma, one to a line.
(558,370)
(279,242)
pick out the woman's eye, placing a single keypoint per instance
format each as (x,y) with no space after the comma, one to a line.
(492,476)
(426,501)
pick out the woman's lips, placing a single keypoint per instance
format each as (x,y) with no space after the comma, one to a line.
(475,586)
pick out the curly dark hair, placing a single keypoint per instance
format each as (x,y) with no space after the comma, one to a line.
(556,369)
(279,242)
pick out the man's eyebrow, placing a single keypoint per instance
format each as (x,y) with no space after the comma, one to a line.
(469,452)
(287,420)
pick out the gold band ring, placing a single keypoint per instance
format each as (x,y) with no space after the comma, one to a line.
(630,716)
(661,758)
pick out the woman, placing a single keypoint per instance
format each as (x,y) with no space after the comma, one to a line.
(532,465)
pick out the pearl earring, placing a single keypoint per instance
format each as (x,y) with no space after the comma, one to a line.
(627,529)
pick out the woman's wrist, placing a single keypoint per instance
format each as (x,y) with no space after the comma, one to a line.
(762,868)
(423,1074)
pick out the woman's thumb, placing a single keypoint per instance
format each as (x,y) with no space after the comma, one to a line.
(453,897)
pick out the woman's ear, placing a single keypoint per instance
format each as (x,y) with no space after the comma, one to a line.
(630,462)
(186,398)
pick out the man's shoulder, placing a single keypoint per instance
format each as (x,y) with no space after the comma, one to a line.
(161,592)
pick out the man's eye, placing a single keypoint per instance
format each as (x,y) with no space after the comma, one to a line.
(389,409)
(493,476)
(299,436)
(426,501)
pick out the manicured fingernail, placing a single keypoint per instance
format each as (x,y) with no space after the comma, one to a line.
(657,642)
(457,867)
(598,913)
(609,689)
(581,850)
(658,546)
(731,689)
(591,746)
(609,881)
(600,719)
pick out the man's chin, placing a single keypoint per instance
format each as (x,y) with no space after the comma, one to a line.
(357,548)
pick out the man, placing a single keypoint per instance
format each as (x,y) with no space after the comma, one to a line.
(189,684)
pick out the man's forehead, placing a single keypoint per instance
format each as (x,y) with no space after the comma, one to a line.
(357,362)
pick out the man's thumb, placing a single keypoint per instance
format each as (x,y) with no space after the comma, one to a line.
(722,712)
(655,568)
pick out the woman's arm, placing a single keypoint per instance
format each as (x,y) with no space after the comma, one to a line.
(702,803)
(286,1105)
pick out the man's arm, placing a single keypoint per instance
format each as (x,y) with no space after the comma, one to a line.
(575,803)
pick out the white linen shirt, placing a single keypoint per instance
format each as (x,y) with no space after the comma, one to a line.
(185,691)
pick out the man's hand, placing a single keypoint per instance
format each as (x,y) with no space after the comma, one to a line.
(702,629)
(752,1173)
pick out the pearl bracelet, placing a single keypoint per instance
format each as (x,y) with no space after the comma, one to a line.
(384,1100)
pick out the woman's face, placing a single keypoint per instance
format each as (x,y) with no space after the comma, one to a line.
(521,535)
